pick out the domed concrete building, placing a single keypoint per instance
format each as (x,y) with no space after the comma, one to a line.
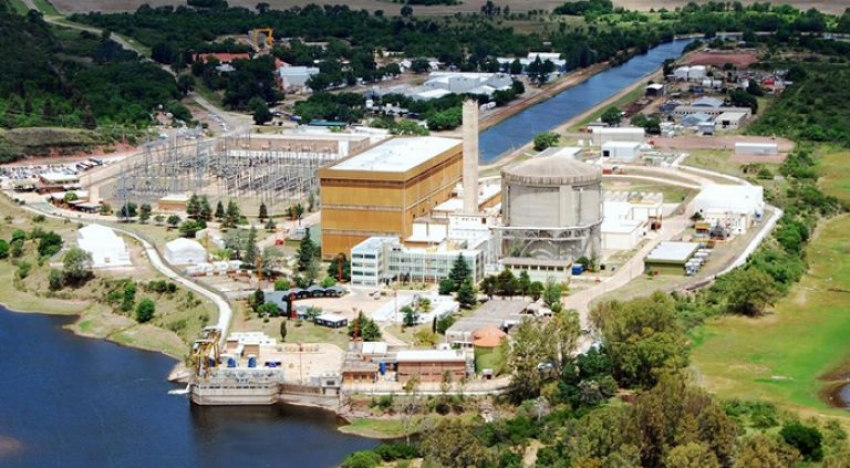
(551,210)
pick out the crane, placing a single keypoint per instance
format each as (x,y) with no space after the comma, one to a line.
(255,37)
(205,351)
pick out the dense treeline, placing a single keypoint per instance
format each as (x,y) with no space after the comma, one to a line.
(463,41)
(814,108)
(73,79)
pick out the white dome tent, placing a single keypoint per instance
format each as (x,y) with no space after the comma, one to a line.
(106,248)
(184,251)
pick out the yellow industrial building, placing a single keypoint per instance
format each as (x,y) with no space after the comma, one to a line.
(380,191)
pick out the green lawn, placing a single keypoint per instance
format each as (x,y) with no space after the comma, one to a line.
(622,103)
(785,356)
(45,8)
(836,180)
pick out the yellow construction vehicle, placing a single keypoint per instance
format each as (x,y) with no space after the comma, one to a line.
(205,352)
(255,37)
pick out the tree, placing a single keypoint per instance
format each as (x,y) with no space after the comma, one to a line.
(128,297)
(364,328)
(524,283)
(232,214)
(763,451)
(49,244)
(249,257)
(453,443)
(219,211)
(748,291)
(283,330)
(515,67)
(529,356)
(264,212)
(282,285)
(76,266)
(807,440)
(460,272)
(205,211)
(406,11)
(466,294)
(261,113)
(145,310)
(410,317)
(507,283)
(144,213)
(643,336)
(692,455)
(193,206)
(4,249)
(54,280)
(189,228)
(612,116)
(70,197)
(128,211)
(545,140)
(306,252)
(269,309)
(256,300)
(489,286)
(445,287)
(552,295)
(185,83)
(334,270)
(173,221)
(536,290)
(565,329)
(362,459)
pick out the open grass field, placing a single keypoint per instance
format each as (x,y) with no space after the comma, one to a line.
(836,179)
(785,356)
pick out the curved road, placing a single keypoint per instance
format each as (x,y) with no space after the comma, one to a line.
(225,312)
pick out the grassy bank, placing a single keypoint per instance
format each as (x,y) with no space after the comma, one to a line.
(785,357)
(179,315)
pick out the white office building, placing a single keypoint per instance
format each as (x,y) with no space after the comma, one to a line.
(106,248)
(379,259)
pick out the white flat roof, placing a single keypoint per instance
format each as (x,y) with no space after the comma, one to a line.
(744,144)
(430,355)
(620,226)
(731,116)
(331,318)
(398,154)
(634,130)
(621,144)
(673,251)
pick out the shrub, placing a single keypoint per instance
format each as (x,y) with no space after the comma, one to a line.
(362,459)
(145,311)
(808,440)
(54,280)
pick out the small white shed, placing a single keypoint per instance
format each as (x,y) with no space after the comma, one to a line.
(184,251)
(761,149)
(621,150)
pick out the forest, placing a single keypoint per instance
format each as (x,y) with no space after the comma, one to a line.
(68,78)
(814,108)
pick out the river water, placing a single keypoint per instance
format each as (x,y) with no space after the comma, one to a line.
(73,402)
(521,128)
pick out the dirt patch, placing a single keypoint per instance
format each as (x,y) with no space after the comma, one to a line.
(741,60)
(717,142)
(755,158)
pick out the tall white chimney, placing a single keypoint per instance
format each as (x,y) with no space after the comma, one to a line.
(470,156)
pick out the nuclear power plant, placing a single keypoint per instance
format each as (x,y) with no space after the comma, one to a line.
(551,209)
(408,207)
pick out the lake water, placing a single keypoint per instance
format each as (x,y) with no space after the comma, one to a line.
(74,402)
(521,128)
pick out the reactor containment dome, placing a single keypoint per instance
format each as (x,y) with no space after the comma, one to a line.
(552,209)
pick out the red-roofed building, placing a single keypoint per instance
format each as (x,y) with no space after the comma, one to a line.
(223,57)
